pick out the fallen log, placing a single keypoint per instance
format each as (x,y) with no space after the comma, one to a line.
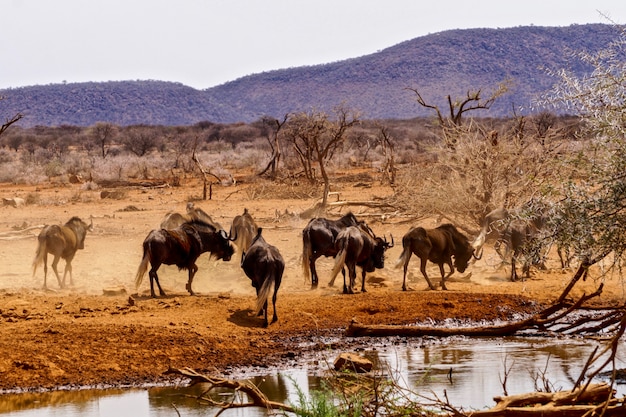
(575,403)
(549,319)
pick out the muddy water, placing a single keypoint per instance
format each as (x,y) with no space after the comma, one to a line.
(471,372)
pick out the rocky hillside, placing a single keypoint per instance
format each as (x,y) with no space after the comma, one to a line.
(440,64)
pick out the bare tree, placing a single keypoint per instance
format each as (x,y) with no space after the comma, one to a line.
(272,136)
(140,139)
(460,107)
(315,138)
(102,133)
(387,145)
(8,122)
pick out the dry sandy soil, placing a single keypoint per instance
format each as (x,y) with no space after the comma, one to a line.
(79,336)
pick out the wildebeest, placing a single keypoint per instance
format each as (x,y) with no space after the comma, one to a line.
(515,238)
(438,245)
(357,245)
(526,244)
(61,242)
(181,247)
(318,239)
(494,227)
(244,228)
(264,265)
(172,220)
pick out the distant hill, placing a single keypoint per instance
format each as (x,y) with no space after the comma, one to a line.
(440,64)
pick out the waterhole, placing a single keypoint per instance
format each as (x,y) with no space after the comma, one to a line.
(470,371)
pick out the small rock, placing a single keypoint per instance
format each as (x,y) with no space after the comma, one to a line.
(114,291)
(351,362)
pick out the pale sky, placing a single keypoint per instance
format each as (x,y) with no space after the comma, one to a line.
(203,43)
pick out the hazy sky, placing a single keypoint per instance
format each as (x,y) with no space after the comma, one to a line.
(203,43)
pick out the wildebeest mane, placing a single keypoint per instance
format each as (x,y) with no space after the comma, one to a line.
(202,223)
(347,219)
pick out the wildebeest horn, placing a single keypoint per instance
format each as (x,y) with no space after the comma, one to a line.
(223,234)
(389,245)
(230,237)
(478,246)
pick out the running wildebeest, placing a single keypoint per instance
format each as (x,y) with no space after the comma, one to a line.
(245,229)
(181,247)
(357,246)
(318,239)
(437,245)
(264,265)
(60,242)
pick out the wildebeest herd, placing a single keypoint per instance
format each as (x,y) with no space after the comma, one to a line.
(182,238)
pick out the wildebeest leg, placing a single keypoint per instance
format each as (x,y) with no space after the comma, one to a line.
(406,265)
(444,276)
(192,271)
(351,281)
(155,278)
(275,317)
(363,281)
(45,270)
(314,278)
(423,270)
(513,271)
(265,322)
(55,263)
(68,268)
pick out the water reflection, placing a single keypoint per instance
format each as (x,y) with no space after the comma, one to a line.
(470,371)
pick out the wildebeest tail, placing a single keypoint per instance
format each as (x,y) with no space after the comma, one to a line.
(307,252)
(264,292)
(340,260)
(41,252)
(404,256)
(143,267)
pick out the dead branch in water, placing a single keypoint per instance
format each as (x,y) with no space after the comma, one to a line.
(257,398)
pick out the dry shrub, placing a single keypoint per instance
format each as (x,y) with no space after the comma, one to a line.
(263,189)
(475,171)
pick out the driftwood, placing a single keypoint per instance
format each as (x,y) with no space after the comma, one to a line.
(256,397)
(576,403)
(20,234)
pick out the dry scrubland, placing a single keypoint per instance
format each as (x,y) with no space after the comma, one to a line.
(79,336)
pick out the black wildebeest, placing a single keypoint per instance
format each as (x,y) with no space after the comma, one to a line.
(439,246)
(245,229)
(318,239)
(264,265)
(357,245)
(61,242)
(181,247)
